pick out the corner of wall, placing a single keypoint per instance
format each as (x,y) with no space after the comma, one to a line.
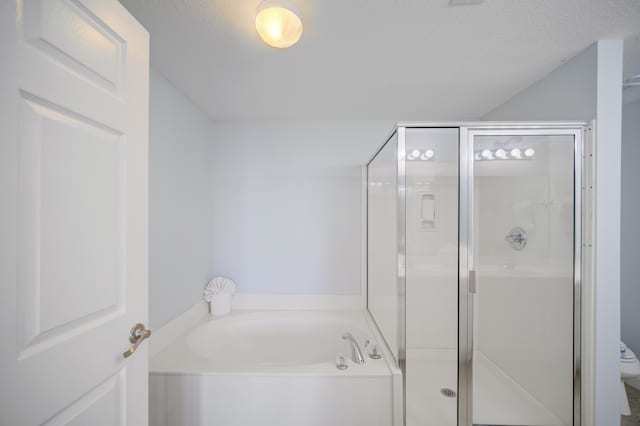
(607,236)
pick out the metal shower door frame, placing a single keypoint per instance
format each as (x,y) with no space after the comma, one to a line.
(466,259)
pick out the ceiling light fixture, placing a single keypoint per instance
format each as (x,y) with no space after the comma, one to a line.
(503,154)
(428,154)
(279,23)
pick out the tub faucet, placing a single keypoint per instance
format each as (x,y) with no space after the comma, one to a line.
(356,353)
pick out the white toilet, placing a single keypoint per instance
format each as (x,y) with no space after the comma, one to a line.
(629,369)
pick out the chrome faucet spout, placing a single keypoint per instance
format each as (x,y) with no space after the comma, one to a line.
(356,352)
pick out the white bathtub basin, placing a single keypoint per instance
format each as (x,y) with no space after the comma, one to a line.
(269,342)
(281,364)
(262,340)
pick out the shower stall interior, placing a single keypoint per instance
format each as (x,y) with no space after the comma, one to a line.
(473,270)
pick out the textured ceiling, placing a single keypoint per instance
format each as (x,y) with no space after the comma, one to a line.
(373,59)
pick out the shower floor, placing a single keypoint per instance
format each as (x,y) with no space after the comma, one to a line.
(499,401)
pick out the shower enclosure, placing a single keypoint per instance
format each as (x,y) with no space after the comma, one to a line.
(473,270)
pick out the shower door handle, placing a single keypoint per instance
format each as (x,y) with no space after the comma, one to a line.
(473,286)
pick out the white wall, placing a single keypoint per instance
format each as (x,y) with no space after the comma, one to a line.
(568,92)
(287,195)
(586,87)
(607,232)
(180,202)
(630,225)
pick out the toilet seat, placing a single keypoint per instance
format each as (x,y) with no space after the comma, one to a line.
(629,364)
(629,368)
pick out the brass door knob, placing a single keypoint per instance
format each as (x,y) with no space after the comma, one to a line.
(137,334)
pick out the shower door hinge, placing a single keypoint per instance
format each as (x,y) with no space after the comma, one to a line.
(472,282)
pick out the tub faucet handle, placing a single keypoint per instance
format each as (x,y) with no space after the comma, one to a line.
(341,362)
(372,349)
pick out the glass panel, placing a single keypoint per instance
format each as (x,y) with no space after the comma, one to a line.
(431,276)
(523,247)
(382,253)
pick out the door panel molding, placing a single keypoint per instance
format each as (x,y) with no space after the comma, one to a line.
(70,34)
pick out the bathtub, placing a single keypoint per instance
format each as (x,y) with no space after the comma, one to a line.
(272,368)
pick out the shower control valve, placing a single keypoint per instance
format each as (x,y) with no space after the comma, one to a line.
(517,238)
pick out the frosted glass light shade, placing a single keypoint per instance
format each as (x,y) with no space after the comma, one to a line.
(278,23)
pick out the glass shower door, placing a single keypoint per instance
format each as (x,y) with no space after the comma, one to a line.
(519,251)
(431,275)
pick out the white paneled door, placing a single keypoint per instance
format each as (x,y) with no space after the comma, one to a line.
(73,219)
